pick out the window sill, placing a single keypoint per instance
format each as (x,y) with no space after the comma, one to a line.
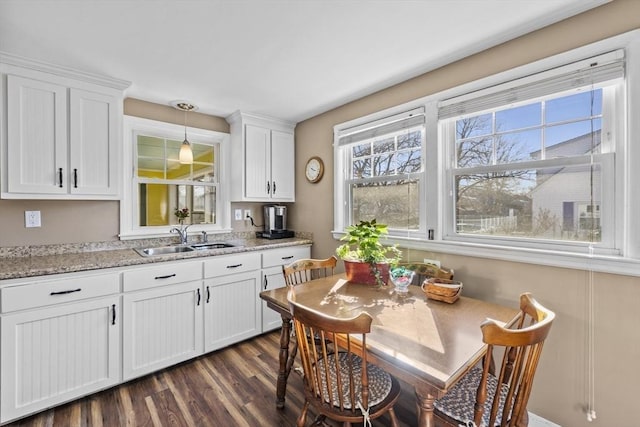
(598,263)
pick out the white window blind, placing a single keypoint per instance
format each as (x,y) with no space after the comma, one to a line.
(383,126)
(583,73)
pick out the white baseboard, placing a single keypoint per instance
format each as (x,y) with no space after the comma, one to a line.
(538,421)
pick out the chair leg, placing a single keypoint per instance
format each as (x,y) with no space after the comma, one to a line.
(394,419)
(302,419)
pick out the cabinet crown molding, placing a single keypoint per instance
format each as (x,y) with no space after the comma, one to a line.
(238,116)
(102,80)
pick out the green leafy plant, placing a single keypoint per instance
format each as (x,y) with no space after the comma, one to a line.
(363,245)
(181,214)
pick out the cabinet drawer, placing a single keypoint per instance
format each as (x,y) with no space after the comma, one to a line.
(48,292)
(161,275)
(283,256)
(230,264)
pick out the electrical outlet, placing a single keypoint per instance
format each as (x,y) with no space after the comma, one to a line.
(432,261)
(238,214)
(32,219)
(247,213)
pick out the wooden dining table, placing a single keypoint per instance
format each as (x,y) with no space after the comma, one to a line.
(426,343)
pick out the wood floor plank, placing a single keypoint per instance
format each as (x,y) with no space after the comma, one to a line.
(232,387)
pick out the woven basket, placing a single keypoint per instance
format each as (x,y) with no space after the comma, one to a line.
(442,289)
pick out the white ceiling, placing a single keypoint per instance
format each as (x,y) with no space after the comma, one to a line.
(289,59)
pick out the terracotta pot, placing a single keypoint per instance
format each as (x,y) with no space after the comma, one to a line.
(360,272)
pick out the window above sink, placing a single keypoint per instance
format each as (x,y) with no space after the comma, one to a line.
(158,184)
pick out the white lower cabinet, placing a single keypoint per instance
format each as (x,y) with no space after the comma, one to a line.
(163,326)
(232,310)
(55,354)
(66,336)
(272,278)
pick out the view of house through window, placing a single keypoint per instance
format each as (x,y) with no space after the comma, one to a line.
(164,184)
(531,170)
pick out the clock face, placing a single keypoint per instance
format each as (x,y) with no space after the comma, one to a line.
(314,169)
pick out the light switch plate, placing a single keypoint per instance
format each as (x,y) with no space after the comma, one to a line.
(238,214)
(32,219)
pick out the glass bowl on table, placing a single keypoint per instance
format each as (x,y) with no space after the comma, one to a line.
(401,278)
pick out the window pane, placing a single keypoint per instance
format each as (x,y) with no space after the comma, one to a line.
(361,168)
(384,165)
(173,150)
(475,152)
(395,203)
(158,203)
(151,168)
(178,171)
(572,107)
(202,153)
(362,150)
(470,127)
(552,203)
(572,139)
(203,173)
(410,140)
(409,161)
(517,146)
(154,204)
(386,145)
(519,117)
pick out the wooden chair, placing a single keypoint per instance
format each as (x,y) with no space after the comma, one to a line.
(305,270)
(425,271)
(340,385)
(522,348)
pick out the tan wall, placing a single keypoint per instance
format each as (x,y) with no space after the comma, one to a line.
(559,392)
(87,221)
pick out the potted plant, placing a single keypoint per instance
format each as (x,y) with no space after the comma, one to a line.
(366,259)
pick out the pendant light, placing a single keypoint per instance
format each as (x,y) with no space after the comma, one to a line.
(186,154)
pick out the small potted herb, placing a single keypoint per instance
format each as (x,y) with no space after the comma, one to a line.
(365,258)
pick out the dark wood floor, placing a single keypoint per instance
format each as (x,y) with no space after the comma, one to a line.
(231,387)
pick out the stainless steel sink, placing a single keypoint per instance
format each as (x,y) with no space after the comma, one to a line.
(168,250)
(212,245)
(164,250)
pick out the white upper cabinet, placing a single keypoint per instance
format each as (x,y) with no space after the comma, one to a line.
(63,133)
(263,159)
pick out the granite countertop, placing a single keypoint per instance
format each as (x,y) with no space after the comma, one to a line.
(59,259)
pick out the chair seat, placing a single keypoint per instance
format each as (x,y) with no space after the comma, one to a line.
(379,380)
(458,403)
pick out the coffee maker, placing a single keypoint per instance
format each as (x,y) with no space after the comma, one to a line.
(275,223)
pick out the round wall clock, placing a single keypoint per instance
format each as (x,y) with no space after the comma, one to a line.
(314,169)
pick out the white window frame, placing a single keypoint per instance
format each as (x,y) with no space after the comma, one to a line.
(344,162)
(611,131)
(626,258)
(129,228)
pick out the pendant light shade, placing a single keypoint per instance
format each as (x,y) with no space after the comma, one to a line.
(186,154)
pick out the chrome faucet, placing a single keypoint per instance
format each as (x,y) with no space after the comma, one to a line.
(182,232)
(205,237)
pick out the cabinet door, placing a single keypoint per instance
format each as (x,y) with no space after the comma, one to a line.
(272,278)
(37,131)
(257,173)
(93,150)
(56,354)
(163,326)
(282,166)
(232,309)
